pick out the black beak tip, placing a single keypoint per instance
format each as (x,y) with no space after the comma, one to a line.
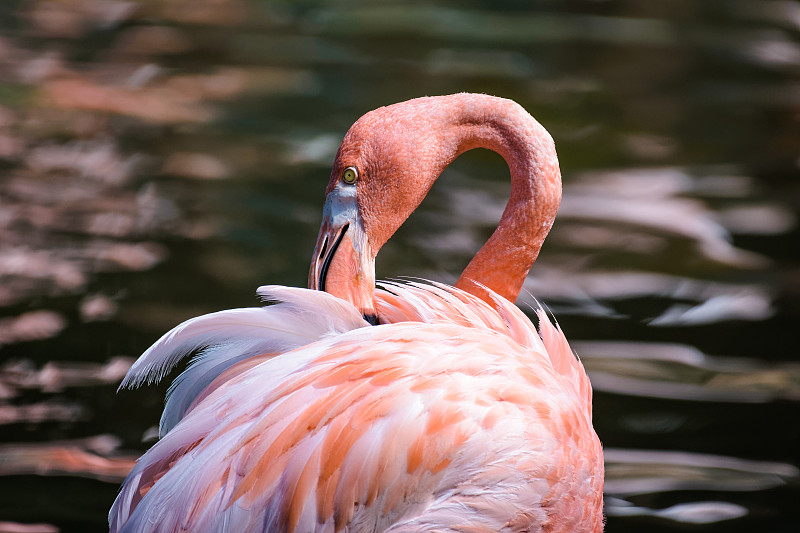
(372,319)
(328,257)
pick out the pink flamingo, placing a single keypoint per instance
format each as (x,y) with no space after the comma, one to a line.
(454,414)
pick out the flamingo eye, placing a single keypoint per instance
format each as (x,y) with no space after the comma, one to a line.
(350,175)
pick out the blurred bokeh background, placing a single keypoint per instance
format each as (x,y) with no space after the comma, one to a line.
(160,159)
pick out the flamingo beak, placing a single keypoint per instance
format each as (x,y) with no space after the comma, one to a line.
(342,264)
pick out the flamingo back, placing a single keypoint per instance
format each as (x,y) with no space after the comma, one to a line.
(454,415)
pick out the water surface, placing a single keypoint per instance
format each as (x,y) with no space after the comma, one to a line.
(159,160)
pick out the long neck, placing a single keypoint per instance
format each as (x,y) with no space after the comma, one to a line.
(505,127)
(405,147)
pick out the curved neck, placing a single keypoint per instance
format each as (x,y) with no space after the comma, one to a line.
(503,126)
(403,148)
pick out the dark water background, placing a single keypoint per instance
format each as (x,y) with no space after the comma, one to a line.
(162,159)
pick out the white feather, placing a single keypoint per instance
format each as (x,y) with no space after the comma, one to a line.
(299,317)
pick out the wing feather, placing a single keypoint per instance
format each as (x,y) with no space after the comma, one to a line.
(225,338)
(408,426)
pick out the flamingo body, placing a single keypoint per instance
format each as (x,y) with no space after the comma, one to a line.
(454,414)
(458,417)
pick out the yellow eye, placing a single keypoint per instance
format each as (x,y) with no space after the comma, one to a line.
(350,175)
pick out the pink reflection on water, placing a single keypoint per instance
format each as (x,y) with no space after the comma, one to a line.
(16,527)
(49,411)
(34,325)
(17,376)
(93,457)
(56,376)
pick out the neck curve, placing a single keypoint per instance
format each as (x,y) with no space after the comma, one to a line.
(503,126)
(399,151)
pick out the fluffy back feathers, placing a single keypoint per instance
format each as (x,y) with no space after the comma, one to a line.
(224,338)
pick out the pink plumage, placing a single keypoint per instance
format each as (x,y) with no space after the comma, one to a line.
(454,414)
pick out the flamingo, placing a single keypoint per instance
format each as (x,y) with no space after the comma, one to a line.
(409,407)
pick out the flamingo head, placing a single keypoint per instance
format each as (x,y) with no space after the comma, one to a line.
(385,166)
(343,263)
